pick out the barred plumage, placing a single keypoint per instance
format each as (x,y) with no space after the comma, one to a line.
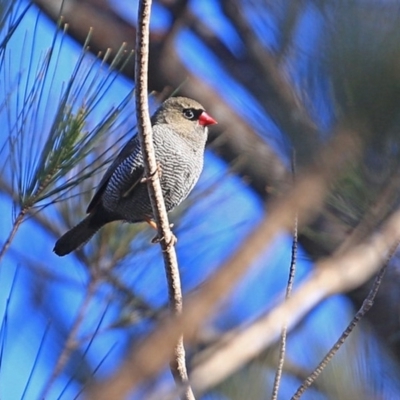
(179,135)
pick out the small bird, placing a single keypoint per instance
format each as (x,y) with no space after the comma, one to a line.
(179,136)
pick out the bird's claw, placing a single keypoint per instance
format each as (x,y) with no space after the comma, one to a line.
(147,178)
(170,243)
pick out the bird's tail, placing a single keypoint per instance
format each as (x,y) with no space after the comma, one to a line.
(79,235)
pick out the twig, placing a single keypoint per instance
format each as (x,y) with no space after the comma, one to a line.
(145,360)
(335,275)
(178,364)
(284,104)
(39,217)
(18,221)
(70,343)
(287,29)
(365,307)
(289,287)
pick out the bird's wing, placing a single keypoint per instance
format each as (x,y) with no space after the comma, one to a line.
(137,174)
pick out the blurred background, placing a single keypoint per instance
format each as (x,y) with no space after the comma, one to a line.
(281,78)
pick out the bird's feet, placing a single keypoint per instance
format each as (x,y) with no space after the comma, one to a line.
(147,178)
(173,240)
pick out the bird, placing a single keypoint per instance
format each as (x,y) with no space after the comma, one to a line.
(180,129)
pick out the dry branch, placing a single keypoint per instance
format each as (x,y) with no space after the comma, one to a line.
(334,275)
(178,363)
(281,102)
(147,358)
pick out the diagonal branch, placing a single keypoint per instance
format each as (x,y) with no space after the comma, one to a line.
(148,357)
(178,364)
(282,102)
(365,307)
(335,275)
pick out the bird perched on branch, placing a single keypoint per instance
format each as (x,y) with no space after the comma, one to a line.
(179,135)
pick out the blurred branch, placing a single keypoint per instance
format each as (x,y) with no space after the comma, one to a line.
(177,8)
(337,274)
(109,31)
(70,343)
(366,306)
(81,16)
(287,29)
(167,239)
(282,103)
(148,357)
(41,218)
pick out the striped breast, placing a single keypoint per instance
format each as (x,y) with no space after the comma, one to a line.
(180,161)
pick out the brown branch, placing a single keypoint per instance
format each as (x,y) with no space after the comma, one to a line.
(81,15)
(108,32)
(335,275)
(365,307)
(282,102)
(14,229)
(177,8)
(178,364)
(148,357)
(283,339)
(287,29)
(70,343)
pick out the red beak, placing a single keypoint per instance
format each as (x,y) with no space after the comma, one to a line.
(206,120)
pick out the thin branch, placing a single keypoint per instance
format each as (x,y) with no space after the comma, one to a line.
(17,223)
(146,358)
(365,307)
(283,103)
(335,275)
(70,343)
(178,364)
(289,287)
(287,29)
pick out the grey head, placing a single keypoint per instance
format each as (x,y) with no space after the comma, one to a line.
(184,115)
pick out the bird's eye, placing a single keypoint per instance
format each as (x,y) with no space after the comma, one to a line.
(188,113)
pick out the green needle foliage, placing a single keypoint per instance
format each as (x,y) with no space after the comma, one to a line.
(56,126)
(41,160)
